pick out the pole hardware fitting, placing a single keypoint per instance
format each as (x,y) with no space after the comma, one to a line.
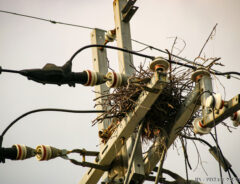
(198,127)
(115,80)
(198,74)
(85,153)
(129,10)
(236,118)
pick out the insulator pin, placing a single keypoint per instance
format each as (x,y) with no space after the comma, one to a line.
(110,35)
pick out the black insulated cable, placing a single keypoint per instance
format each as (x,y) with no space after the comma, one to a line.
(45,110)
(110,47)
(2,159)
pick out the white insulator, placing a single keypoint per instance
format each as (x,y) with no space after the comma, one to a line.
(110,35)
(159,63)
(43,152)
(92,78)
(215,101)
(115,79)
(198,127)
(236,118)
(21,151)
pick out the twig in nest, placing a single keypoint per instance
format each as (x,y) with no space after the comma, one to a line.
(209,37)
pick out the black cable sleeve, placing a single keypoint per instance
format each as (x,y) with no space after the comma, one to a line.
(80,77)
(9,153)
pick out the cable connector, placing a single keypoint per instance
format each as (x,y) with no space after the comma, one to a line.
(52,74)
(17,152)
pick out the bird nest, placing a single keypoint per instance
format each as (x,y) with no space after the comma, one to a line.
(160,117)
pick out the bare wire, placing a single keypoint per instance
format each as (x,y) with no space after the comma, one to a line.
(46,20)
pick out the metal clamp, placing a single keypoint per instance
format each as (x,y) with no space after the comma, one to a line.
(129,10)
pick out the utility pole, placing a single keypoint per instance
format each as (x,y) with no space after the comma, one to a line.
(117,151)
(123,12)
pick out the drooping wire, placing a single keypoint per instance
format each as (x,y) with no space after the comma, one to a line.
(46,20)
(44,110)
(110,47)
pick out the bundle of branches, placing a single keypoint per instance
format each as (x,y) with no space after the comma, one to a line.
(163,112)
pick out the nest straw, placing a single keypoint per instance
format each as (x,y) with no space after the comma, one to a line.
(163,112)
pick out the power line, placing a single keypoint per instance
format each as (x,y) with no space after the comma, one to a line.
(44,110)
(139,42)
(226,74)
(46,20)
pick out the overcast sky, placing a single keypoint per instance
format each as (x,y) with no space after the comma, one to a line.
(27,43)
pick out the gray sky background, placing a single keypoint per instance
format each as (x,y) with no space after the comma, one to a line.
(27,43)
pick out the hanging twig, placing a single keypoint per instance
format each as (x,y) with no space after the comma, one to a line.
(209,37)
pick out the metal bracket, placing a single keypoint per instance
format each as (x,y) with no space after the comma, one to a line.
(129,10)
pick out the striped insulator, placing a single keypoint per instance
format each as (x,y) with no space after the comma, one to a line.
(116,80)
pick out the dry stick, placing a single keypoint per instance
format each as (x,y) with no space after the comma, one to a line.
(214,28)
(213,62)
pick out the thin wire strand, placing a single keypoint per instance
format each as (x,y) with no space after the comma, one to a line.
(46,20)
